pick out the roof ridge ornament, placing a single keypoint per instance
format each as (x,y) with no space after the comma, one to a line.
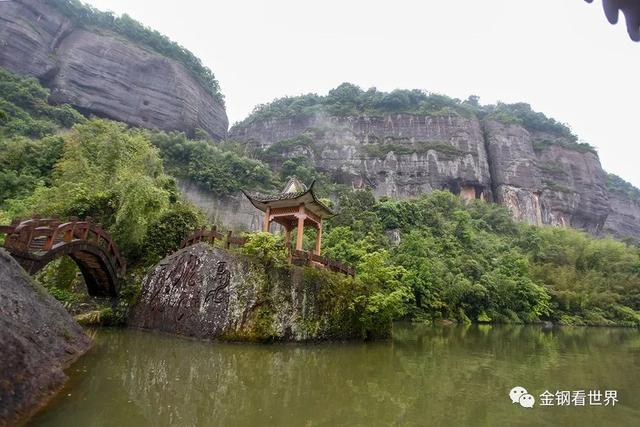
(294,185)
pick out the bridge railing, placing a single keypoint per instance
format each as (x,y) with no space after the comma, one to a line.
(42,235)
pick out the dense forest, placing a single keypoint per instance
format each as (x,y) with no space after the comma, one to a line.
(426,259)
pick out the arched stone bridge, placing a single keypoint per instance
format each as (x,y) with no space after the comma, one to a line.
(36,242)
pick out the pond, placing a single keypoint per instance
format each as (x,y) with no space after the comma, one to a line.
(425,375)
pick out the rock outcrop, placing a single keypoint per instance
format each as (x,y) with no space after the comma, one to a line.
(38,339)
(546,180)
(402,155)
(623,220)
(236,211)
(541,178)
(210,293)
(104,74)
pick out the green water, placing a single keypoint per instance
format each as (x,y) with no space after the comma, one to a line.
(424,376)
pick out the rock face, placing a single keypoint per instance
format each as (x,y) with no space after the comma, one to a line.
(402,155)
(209,293)
(104,74)
(545,180)
(624,218)
(541,178)
(38,339)
(235,212)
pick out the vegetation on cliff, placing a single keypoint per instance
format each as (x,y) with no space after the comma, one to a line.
(219,170)
(620,186)
(85,15)
(469,262)
(350,100)
(365,304)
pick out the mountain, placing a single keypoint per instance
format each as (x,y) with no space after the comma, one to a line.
(110,66)
(398,144)
(405,143)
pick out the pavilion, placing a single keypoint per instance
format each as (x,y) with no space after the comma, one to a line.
(296,206)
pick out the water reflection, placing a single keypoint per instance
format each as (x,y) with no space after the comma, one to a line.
(424,376)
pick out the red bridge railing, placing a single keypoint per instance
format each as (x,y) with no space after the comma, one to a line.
(38,236)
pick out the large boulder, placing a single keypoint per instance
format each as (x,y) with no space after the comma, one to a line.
(210,293)
(38,340)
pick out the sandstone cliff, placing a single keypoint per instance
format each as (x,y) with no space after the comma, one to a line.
(624,217)
(402,155)
(38,339)
(104,74)
(542,178)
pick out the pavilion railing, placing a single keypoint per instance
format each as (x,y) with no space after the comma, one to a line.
(309,258)
(211,235)
(298,257)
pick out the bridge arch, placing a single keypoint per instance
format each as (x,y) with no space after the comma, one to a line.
(36,242)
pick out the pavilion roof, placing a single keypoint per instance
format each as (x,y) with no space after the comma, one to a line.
(293,194)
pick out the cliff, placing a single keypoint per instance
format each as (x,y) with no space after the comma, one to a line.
(210,293)
(103,73)
(543,178)
(624,217)
(38,339)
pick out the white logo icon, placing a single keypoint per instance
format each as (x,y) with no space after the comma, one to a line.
(527,401)
(521,396)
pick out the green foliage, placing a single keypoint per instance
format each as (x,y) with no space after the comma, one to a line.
(62,295)
(422,147)
(61,274)
(219,171)
(350,100)
(88,16)
(540,144)
(277,150)
(110,173)
(347,306)
(266,247)
(521,113)
(473,262)
(166,233)
(391,290)
(24,110)
(26,164)
(620,186)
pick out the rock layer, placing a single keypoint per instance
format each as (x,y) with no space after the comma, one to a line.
(624,217)
(38,339)
(541,178)
(104,74)
(546,180)
(401,155)
(209,293)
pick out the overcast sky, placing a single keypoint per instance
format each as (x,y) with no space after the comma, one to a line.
(561,56)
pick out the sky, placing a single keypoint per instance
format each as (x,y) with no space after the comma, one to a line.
(560,56)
